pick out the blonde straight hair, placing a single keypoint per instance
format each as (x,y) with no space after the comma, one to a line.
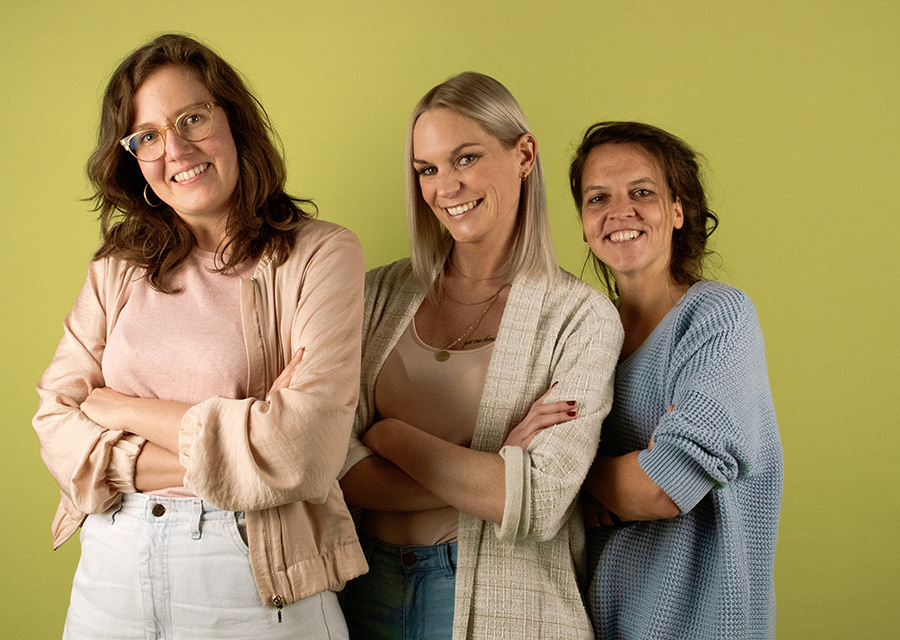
(491,105)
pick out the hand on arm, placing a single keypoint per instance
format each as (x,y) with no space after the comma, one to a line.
(539,417)
(156,420)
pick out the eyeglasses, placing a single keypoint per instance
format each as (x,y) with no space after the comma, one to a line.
(150,144)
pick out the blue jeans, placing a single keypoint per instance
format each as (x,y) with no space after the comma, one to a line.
(407,594)
(175,568)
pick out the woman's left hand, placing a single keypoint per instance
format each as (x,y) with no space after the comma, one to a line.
(283,381)
(540,416)
(107,407)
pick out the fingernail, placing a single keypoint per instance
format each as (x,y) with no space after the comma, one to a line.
(571,403)
(571,413)
(554,384)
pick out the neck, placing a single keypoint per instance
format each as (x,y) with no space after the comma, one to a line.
(643,303)
(475,264)
(209,237)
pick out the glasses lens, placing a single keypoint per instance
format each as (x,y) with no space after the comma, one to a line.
(146,145)
(195,125)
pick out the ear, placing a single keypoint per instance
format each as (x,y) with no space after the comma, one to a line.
(679,214)
(527,149)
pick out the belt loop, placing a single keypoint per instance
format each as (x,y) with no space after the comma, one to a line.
(196,518)
(113,512)
(447,559)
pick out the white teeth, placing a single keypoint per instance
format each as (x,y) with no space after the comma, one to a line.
(462,208)
(196,171)
(622,236)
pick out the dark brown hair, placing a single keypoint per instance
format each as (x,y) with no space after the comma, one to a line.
(679,164)
(263,216)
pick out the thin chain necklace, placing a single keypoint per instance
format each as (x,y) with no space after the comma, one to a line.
(459,271)
(444,354)
(446,289)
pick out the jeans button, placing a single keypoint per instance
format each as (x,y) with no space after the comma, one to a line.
(409,558)
(158,510)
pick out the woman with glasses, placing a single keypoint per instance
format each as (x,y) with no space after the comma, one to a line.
(467,534)
(204,483)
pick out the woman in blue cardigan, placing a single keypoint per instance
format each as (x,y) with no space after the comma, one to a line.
(689,471)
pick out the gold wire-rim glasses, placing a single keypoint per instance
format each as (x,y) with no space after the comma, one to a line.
(130,142)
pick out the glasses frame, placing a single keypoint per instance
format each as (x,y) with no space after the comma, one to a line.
(126,141)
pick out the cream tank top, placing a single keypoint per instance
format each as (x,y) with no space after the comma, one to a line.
(441,398)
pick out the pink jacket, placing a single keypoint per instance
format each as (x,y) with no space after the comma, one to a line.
(277,458)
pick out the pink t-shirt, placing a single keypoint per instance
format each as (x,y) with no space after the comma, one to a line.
(441,398)
(186,346)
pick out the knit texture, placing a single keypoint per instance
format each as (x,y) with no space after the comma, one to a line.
(708,573)
(518,580)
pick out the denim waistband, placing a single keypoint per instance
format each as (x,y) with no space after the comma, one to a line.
(438,557)
(165,511)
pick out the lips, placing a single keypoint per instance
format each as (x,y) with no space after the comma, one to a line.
(190,173)
(462,208)
(624,235)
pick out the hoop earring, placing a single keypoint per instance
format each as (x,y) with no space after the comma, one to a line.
(147,200)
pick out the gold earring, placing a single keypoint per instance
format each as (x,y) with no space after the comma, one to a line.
(147,200)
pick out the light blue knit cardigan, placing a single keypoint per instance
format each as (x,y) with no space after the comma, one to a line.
(708,572)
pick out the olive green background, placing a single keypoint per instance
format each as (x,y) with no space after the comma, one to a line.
(794,104)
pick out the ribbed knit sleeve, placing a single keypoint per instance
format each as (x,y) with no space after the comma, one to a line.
(716,367)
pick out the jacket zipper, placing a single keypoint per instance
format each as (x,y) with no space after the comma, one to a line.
(277,598)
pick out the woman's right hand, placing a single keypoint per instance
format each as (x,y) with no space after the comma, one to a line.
(540,416)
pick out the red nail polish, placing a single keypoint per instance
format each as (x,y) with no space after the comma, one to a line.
(571,403)
(570,413)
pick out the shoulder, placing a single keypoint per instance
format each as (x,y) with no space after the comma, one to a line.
(391,274)
(315,231)
(568,296)
(318,240)
(715,313)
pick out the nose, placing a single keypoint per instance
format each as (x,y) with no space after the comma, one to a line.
(621,207)
(448,184)
(175,144)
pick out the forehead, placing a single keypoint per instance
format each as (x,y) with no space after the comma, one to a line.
(166,92)
(444,130)
(622,161)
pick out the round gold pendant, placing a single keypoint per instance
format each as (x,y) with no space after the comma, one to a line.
(442,356)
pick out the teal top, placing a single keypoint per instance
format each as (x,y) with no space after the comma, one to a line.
(707,573)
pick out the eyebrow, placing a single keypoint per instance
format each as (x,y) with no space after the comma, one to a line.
(452,153)
(633,183)
(146,125)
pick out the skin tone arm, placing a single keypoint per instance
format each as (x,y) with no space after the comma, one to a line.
(622,487)
(471,481)
(158,421)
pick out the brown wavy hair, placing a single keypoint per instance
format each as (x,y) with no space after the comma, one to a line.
(263,217)
(680,165)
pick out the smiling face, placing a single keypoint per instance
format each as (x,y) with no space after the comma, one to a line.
(627,212)
(196,179)
(468,178)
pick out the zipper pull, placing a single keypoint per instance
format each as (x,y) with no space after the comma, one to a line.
(278,601)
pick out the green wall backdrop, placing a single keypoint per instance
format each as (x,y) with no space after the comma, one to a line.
(795,105)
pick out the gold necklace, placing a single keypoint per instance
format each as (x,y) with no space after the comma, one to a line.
(444,354)
(458,301)
(459,271)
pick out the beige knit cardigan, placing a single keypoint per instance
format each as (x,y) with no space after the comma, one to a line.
(519,579)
